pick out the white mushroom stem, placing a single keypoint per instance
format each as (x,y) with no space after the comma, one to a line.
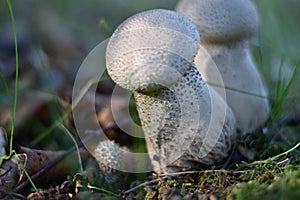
(186,124)
(226,28)
(245,92)
(177,134)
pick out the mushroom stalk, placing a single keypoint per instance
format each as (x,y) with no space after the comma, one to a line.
(245,91)
(226,28)
(178,128)
(185,122)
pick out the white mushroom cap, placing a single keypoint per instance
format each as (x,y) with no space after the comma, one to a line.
(221,20)
(151,47)
(185,123)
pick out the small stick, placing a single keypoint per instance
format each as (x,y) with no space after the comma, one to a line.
(55,161)
(102,190)
(145,184)
(205,171)
(279,155)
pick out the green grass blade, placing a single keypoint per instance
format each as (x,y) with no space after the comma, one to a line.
(279,86)
(76,145)
(25,171)
(106,26)
(282,94)
(16,77)
(236,90)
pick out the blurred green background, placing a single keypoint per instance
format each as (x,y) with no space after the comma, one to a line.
(80,21)
(55,36)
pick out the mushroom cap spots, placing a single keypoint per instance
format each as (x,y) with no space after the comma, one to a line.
(221,20)
(154,47)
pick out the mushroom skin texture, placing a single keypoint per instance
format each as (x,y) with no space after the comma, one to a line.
(108,155)
(226,28)
(151,54)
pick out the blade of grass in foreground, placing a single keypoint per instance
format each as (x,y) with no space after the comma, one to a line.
(106,26)
(14,110)
(75,144)
(282,92)
(236,90)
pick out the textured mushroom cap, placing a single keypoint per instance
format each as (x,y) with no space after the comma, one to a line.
(151,48)
(221,20)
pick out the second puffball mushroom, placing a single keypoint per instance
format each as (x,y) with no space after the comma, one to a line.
(186,124)
(226,28)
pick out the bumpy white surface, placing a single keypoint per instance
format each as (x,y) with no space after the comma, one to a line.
(221,20)
(242,80)
(186,124)
(147,47)
(108,155)
(176,136)
(225,28)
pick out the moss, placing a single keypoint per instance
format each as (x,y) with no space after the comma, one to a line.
(258,180)
(285,186)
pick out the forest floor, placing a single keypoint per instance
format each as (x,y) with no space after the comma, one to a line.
(46,157)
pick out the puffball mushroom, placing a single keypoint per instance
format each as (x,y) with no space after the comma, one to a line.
(108,155)
(226,28)
(186,123)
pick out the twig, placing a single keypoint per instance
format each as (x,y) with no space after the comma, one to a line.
(205,171)
(44,169)
(102,190)
(182,173)
(279,155)
(164,176)
(18,196)
(55,162)
(283,162)
(145,184)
